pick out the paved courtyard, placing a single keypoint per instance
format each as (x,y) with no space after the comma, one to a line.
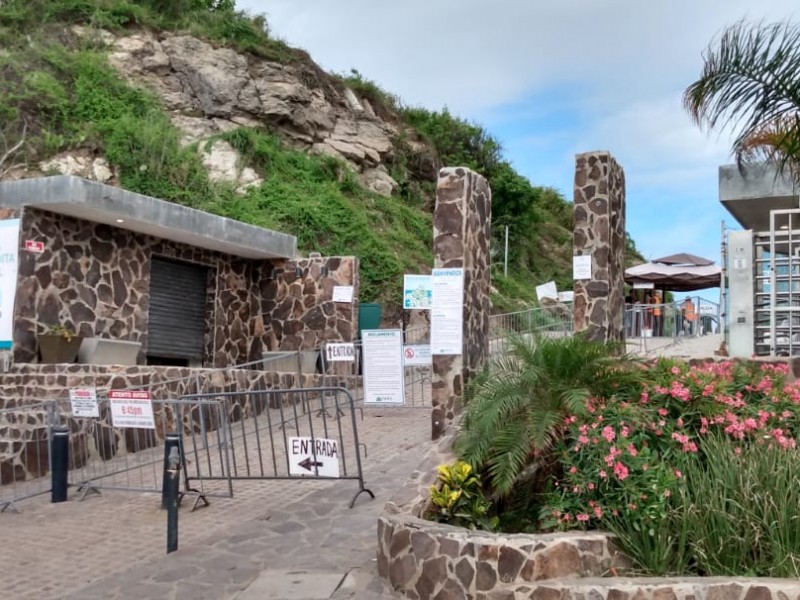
(278,539)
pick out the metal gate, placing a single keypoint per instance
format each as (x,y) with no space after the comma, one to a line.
(777,293)
(276,434)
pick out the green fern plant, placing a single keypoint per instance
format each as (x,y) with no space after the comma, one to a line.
(516,412)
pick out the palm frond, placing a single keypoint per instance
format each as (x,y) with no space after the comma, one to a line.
(750,80)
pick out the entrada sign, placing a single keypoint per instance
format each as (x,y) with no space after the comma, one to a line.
(309,457)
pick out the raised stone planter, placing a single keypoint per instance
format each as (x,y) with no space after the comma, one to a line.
(426,560)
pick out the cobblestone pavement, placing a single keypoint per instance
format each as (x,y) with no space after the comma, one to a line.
(274,539)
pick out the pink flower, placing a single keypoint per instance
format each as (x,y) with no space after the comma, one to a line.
(678,474)
(675,371)
(662,412)
(602,474)
(680,422)
(598,512)
(667,493)
(632,450)
(608,433)
(573,470)
(590,486)
(621,471)
(583,517)
(645,467)
(625,432)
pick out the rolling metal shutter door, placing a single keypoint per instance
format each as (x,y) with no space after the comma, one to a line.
(177,309)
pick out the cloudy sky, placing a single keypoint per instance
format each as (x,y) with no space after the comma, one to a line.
(549,79)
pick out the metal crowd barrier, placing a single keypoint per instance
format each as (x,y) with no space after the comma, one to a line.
(350,374)
(307,433)
(25,433)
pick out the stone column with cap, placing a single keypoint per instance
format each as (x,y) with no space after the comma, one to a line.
(599,232)
(461,233)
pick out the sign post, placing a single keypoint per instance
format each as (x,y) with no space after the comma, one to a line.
(310,456)
(84,402)
(447,311)
(384,378)
(131,408)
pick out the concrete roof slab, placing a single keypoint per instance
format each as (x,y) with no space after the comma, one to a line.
(750,195)
(113,206)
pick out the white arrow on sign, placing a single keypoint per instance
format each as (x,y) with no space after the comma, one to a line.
(313,457)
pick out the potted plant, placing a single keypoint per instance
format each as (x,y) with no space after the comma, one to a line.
(59,344)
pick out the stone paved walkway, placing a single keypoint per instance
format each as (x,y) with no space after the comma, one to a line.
(291,540)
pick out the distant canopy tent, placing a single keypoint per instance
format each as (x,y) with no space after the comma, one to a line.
(677,272)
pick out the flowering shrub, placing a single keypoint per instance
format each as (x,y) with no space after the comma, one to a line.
(623,461)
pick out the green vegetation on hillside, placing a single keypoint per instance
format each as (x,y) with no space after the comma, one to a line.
(59,90)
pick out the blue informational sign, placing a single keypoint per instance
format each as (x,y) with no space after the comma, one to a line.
(417,292)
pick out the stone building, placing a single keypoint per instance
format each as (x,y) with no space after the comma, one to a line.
(191,288)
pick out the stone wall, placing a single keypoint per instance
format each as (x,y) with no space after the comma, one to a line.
(96,279)
(461,234)
(599,206)
(427,560)
(299,312)
(26,390)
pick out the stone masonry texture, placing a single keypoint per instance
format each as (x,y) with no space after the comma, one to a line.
(29,393)
(461,234)
(96,279)
(425,560)
(599,207)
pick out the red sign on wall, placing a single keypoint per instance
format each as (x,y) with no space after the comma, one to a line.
(32,246)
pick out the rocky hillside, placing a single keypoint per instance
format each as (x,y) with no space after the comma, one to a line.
(190,101)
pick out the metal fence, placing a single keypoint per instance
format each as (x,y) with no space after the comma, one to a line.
(25,432)
(550,321)
(275,434)
(350,374)
(651,327)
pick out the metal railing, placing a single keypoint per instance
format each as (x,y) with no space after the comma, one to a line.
(550,321)
(350,374)
(651,327)
(277,434)
(25,433)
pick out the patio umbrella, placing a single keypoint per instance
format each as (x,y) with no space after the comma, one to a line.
(684,258)
(679,278)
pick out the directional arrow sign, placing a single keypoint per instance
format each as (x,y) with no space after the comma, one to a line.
(309,464)
(313,457)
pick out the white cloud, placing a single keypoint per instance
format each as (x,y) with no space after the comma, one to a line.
(473,55)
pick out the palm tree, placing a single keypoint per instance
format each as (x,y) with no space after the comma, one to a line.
(515,410)
(751,80)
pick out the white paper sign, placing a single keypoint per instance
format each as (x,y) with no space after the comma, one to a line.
(645,285)
(417,355)
(313,457)
(9,253)
(417,292)
(582,267)
(340,352)
(566,296)
(447,313)
(383,366)
(547,290)
(343,293)
(131,409)
(84,402)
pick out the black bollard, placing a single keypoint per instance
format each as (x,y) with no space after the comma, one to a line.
(171,440)
(172,487)
(59,458)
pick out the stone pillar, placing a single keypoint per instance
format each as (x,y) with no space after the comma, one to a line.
(599,206)
(461,233)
